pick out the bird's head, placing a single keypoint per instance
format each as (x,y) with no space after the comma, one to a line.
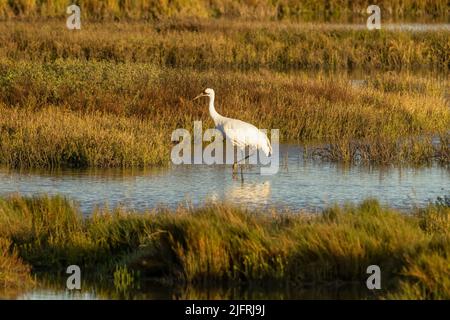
(208,92)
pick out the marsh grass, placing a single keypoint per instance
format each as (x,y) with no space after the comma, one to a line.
(219,244)
(226,44)
(53,138)
(14,274)
(123,116)
(415,151)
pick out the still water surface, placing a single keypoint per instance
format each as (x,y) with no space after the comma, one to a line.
(300,184)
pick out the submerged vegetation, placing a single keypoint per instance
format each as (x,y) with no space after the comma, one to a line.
(218,244)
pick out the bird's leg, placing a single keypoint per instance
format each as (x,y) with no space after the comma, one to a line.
(242,172)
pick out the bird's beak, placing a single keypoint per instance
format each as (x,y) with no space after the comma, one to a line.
(199,96)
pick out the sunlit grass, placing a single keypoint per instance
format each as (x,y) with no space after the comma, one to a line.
(53,138)
(93,99)
(334,10)
(220,244)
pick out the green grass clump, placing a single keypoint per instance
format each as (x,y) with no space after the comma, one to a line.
(49,233)
(223,245)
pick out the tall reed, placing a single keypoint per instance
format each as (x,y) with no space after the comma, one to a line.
(221,244)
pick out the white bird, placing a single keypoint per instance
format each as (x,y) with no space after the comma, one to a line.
(240,133)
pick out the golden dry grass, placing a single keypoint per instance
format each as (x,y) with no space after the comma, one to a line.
(52,137)
(225,44)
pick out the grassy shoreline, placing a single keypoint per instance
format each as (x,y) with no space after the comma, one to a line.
(226,45)
(151,10)
(221,244)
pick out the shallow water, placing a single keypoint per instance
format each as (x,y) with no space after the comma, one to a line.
(299,184)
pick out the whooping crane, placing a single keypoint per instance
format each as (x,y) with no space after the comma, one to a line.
(240,133)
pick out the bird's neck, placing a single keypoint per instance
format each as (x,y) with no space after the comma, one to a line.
(212,111)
